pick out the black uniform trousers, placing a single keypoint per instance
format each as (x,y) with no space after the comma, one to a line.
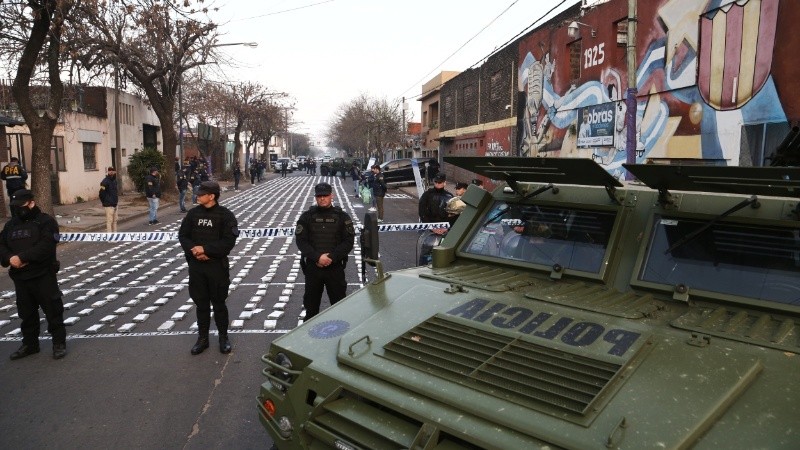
(41,292)
(208,286)
(317,280)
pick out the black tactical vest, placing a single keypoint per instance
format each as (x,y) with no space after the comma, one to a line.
(325,229)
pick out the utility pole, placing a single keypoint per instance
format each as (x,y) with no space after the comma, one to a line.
(403,144)
(630,99)
(180,120)
(117,162)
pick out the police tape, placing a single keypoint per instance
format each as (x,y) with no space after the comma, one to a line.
(248,233)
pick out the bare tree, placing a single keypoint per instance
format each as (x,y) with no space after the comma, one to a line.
(153,43)
(248,108)
(366,125)
(31,39)
(267,121)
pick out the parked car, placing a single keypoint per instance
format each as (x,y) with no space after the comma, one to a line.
(400,172)
(276,166)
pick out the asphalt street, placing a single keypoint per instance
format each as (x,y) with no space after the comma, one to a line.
(128,380)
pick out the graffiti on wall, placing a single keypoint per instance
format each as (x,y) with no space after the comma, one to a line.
(704,71)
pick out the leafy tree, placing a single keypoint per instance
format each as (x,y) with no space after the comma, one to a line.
(31,39)
(140,164)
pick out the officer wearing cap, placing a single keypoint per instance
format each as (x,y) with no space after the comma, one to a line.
(28,245)
(207,235)
(433,201)
(325,236)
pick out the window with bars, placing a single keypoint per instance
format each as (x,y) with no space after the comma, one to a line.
(89,156)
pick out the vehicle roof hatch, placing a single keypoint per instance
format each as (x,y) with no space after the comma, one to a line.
(580,171)
(768,181)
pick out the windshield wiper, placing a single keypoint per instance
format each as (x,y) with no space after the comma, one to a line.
(526,197)
(752,201)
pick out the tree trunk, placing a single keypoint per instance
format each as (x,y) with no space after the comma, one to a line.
(47,25)
(169,143)
(40,166)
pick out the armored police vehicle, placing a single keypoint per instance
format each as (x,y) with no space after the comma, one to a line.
(566,310)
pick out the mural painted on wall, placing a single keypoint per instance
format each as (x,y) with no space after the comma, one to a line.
(706,68)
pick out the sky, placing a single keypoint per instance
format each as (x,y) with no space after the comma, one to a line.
(325,53)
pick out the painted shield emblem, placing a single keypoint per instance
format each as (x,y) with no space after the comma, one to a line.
(736,44)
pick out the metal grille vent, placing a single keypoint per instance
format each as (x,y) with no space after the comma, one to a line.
(502,366)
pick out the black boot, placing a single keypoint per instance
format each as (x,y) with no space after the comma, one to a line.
(200,345)
(25,350)
(59,351)
(224,344)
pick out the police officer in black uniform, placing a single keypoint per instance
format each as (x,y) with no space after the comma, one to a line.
(207,235)
(28,244)
(14,175)
(325,236)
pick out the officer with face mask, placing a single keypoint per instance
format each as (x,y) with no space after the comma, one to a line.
(28,245)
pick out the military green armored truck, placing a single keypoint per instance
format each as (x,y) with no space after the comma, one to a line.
(565,310)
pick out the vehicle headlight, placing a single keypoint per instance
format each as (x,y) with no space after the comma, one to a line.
(285,426)
(282,360)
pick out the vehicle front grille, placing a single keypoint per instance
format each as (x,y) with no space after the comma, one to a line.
(506,367)
(349,420)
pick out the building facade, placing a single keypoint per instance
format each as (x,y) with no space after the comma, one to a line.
(714,85)
(84,142)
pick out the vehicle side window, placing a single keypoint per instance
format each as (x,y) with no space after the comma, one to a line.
(573,238)
(404,164)
(750,261)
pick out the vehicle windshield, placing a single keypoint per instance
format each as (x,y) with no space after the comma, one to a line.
(749,261)
(573,238)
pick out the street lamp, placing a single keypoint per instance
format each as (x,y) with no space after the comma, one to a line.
(180,95)
(573,31)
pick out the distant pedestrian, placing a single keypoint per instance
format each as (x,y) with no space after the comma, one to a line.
(28,245)
(182,182)
(461,188)
(478,182)
(371,179)
(195,179)
(14,175)
(152,190)
(177,164)
(432,170)
(325,236)
(284,168)
(109,199)
(378,190)
(207,235)
(355,174)
(253,172)
(237,175)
